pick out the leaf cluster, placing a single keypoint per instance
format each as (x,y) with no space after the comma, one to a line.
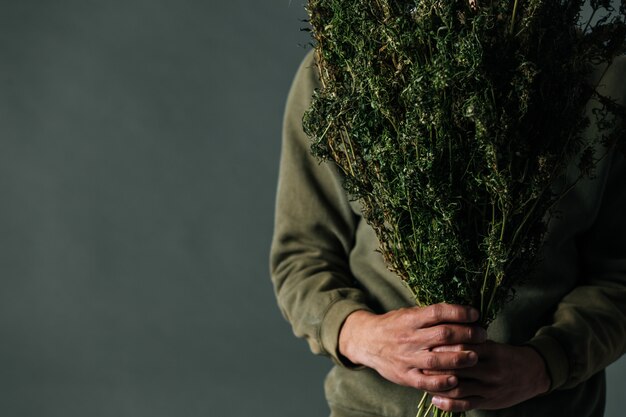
(451,121)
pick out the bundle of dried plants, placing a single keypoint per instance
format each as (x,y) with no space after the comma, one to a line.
(451,122)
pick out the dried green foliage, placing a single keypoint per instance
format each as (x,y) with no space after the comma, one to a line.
(451,121)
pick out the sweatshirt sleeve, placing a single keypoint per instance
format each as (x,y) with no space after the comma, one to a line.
(588,331)
(314,231)
(589,326)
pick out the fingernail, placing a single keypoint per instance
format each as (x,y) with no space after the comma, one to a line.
(452,381)
(472,356)
(474,314)
(437,401)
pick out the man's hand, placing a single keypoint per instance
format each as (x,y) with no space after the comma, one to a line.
(505,375)
(398,344)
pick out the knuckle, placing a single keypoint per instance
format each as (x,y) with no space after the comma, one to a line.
(438,385)
(458,313)
(444,334)
(431,361)
(412,317)
(418,383)
(403,338)
(411,376)
(436,312)
(401,378)
(401,316)
(407,313)
(456,360)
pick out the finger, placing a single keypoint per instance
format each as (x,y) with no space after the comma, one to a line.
(445,360)
(456,405)
(457,348)
(465,373)
(485,351)
(484,374)
(466,389)
(433,372)
(452,334)
(434,384)
(444,313)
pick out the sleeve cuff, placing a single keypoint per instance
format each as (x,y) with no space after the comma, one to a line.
(331,326)
(555,358)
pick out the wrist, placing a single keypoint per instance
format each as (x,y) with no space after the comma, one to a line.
(351,336)
(540,376)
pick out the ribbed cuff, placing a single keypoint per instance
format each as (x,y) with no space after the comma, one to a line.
(555,358)
(331,325)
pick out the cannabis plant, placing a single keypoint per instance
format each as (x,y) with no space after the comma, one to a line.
(451,121)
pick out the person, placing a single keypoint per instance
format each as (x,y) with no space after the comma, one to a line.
(545,353)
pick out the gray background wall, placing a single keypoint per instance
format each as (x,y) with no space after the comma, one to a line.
(139,142)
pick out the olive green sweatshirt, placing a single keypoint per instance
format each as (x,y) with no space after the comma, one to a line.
(325,265)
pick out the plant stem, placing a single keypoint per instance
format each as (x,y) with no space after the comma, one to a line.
(513,16)
(420,406)
(593,14)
